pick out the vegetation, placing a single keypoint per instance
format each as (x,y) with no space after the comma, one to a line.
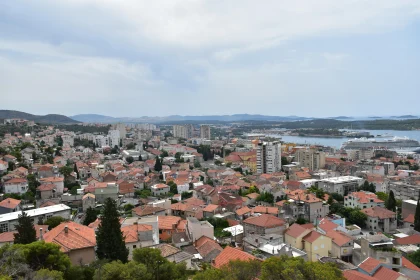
(54,221)
(90,216)
(382,196)
(391,203)
(266,197)
(158,165)
(109,238)
(219,225)
(414,258)
(129,159)
(417,218)
(25,230)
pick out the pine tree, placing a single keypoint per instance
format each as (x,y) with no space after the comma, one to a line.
(90,216)
(109,238)
(417,215)
(25,230)
(158,165)
(391,203)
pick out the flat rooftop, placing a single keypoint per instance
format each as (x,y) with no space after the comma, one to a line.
(341,179)
(34,212)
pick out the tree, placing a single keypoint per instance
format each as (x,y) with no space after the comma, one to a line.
(140,158)
(66,171)
(25,230)
(382,196)
(330,200)
(13,262)
(131,146)
(54,221)
(46,274)
(129,159)
(301,221)
(158,165)
(173,187)
(414,258)
(391,203)
(266,197)
(358,217)
(284,161)
(90,216)
(197,164)
(117,270)
(39,255)
(109,238)
(40,220)
(164,154)
(417,216)
(185,195)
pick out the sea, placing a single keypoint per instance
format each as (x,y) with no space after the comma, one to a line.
(337,142)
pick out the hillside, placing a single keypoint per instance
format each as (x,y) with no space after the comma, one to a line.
(50,118)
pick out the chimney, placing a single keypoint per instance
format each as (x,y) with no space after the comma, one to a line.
(66,229)
(266,210)
(41,237)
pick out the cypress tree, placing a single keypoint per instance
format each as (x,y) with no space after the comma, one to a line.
(417,215)
(90,216)
(109,238)
(25,230)
(391,203)
(158,165)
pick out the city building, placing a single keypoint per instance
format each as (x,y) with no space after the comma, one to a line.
(362,200)
(310,158)
(380,219)
(268,157)
(342,185)
(183,131)
(205,132)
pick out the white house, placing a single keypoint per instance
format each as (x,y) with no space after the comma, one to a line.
(362,200)
(16,185)
(160,189)
(57,181)
(3,166)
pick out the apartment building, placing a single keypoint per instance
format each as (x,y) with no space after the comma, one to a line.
(362,200)
(310,158)
(342,185)
(268,157)
(205,132)
(404,191)
(183,131)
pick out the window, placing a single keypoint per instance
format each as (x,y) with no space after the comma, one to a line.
(4,227)
(315,248)
(134,246)
(322,246)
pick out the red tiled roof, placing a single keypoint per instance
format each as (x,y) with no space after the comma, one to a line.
(210,208)
(369,264)
(409,265)
(131,232)
(312,236)
(168,222)
(8,237)
(47,203)
(77,237)
(308,226)
(9,203)
(364,197)
(384,273)
(46,187)
(356,275)
(379,212)
(338,237)
(52,179)
(265,220)
(230,254)
(296,230)
(409,219)
(265,209)
(412,239)
(242,211)
(16,181)
(326,225)
(147,210)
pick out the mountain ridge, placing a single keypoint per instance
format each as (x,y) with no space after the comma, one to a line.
(49,118)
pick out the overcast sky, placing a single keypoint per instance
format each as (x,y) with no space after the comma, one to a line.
(197,57)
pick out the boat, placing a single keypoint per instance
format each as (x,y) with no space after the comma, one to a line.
(385,135)
(396,143)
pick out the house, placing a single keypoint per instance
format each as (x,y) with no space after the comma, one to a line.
(380,219)
(46,170)
(210,210)
(342,245)
(266,210)
(16,185)
(88,201)
(409,240)
(137,236)
(75,240)
(378,270)
(243,213)
(126,187)
(316,245)
(109,191)
(230,201)
(160,189)
(9,205)
(46,191)
(147,210)
(3,166)
(197,229)
(264,224)
(207,248)
(167,226)
(304,205)
(231,254)
(175,255)
(409,221)
(362,200)
(294,236)
(108,177)
(57,181)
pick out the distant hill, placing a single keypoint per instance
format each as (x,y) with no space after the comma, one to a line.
(93,118)
(50,118)
(405,117)
(341,118)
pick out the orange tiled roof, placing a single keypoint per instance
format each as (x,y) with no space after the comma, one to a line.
(407,264)
(210,208)
(131,232)
(384,273)
(230,254)
(369,264)
(265,209)
(409,219)
(412,239)
(338,237)
(326,225)
(266,221)
(356,275)
(52,179)
(16,181)
(168,222)
(365,197)
(9,203)
(295,230)
(312,236)
(147,210)
(379,212)
(77,237)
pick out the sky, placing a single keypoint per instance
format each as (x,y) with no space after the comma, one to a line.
(136,58)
